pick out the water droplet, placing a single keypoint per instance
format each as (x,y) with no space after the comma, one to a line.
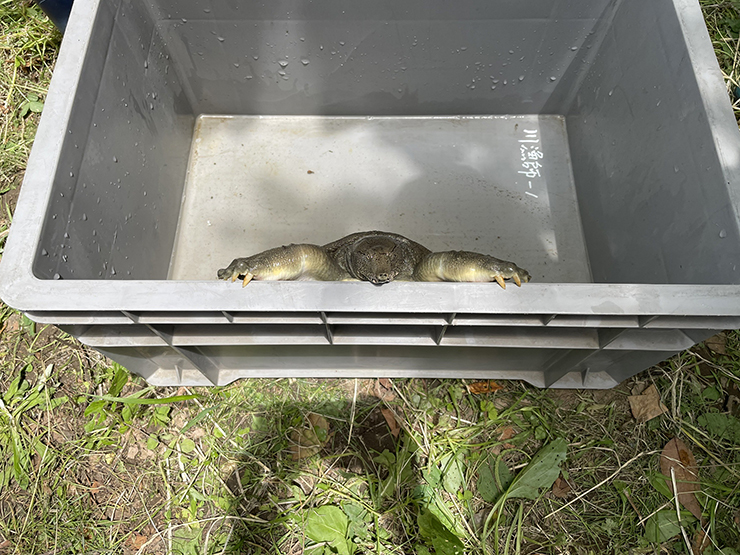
(574,48)
(44,252)
(249,76)
(283,63)
(505,82)
(57,276)
(493,87)
(84,217)
(94,232)
(221,39)
(723,234)
(236,65)
(256,57)
(115,159)
(305,62)
(64,257)
(495,81)
(66,235)
(146,64)
(206,10)
(511,51)
(611,92)
(303,39)
(341,43)
(321,47)
(112,271)
(521,77)
(281,73)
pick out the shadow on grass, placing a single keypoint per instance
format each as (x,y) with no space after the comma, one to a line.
(356,465)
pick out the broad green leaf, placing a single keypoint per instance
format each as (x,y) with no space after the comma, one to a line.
(28,325)
(12,390)
(429,498)
(94,407)
(386,459)
(711,393)
(432,476)
(187,445)
(494,477)
(658,481)
(662,526)
(329,524)
(120,378)
(723,425)
(541,472)
(355,511)
(152,443)
(56,401)
(453,472)
(437,535)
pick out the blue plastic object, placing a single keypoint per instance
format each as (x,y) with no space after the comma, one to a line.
(57,11)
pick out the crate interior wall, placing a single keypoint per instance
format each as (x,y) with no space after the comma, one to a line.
(591,143)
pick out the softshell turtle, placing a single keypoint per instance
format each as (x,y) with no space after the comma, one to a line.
(374,256)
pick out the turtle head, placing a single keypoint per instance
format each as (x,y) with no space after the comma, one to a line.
(374,259)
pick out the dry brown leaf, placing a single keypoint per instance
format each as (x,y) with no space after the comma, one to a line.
(383,390)
(507,432)
(647,405)
(5,546)
(137,541)
(307,441)
(390,418)
(717,343)
(561,488)
(95,487)
(678,457)
(488,386)
(12,324)
(701,542)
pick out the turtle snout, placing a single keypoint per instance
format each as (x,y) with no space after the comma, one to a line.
(381,278)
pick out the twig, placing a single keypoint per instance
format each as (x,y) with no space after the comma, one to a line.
(604,481)
(176,526)
(228,538)
(678,512)
(352,416)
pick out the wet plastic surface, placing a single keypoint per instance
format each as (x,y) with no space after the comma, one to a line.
(590,142)
(254,183)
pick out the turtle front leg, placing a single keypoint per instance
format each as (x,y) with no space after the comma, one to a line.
(468,266)
(291,262)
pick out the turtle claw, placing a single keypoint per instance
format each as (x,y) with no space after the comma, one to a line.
(517,280)
(500,281)
(247,278)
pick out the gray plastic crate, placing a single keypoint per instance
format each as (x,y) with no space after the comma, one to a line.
(590,142)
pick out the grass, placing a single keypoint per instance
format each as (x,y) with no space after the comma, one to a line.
(93,460)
